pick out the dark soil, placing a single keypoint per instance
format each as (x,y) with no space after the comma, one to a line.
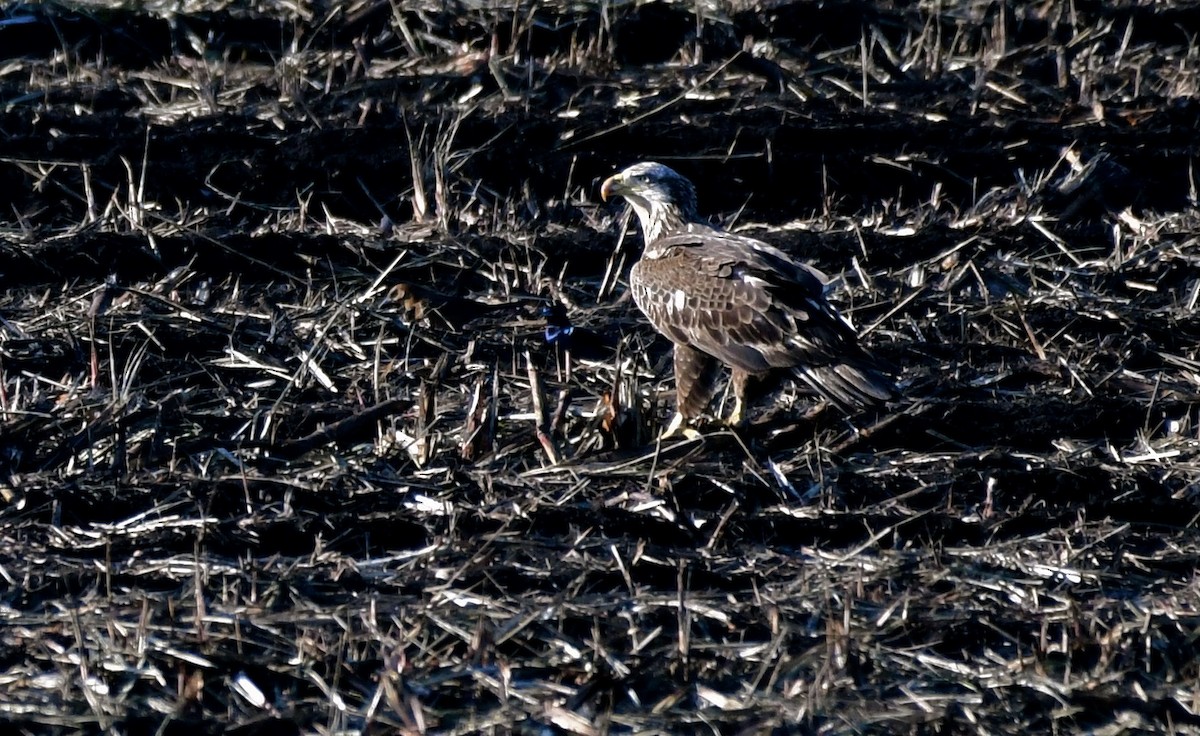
(284,447)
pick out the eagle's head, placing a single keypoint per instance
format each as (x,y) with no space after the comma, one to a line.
(662,199)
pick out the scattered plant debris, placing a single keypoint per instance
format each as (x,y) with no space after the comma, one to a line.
(285,447)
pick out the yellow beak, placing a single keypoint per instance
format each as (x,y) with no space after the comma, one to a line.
(612,185)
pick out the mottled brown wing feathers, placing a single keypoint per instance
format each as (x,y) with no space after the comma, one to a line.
(751,307)
(740,301)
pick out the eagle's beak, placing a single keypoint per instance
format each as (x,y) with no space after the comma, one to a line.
(612,185)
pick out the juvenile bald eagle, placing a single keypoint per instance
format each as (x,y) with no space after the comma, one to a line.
(728,299)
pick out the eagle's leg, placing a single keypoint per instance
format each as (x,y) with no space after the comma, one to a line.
(695,381)
(741,381)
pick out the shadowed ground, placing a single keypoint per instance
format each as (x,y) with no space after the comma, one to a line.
(284,448)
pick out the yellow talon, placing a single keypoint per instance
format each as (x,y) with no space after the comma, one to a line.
(735,416)
(677,425)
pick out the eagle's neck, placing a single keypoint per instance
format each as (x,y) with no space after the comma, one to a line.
(661,218)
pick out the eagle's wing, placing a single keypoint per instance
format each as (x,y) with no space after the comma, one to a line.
(741,301)
(752,307)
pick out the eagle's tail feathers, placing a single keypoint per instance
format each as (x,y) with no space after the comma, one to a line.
(851,386)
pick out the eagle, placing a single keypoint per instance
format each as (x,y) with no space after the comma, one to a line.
(726,299)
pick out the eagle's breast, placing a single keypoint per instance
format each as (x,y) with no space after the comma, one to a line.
(666,290)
